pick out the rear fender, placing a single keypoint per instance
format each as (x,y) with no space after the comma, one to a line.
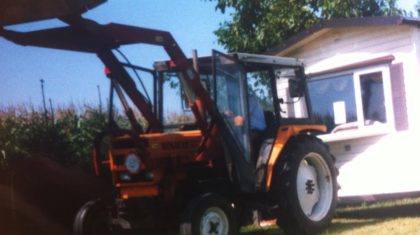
(284,134)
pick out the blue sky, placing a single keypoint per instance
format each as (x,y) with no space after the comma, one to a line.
(72,77)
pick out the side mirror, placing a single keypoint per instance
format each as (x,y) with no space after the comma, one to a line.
(295,88)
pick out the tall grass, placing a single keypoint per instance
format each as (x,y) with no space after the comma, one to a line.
(65,137)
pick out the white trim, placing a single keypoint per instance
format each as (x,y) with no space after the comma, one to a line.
(358,96)
(355,134)
(363,130)
(386,79)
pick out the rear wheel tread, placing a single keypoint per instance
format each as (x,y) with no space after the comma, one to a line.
(290,215)
(87,218)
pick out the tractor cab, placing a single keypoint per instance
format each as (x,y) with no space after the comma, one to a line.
(254,95)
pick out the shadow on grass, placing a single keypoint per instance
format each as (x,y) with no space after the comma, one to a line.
(339,226)
(410,210)
(353,217)
(273,230)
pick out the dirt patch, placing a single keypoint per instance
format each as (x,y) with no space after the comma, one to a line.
(40,196)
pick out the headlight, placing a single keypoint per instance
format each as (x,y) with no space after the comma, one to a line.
(132,163)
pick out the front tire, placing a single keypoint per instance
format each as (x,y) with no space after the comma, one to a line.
(305,186)
(209,214)
(92,219)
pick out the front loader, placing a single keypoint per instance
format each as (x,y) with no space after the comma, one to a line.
(250,148)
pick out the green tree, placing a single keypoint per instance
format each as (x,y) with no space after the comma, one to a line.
(257,25)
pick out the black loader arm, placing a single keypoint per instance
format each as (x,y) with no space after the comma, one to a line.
(24,11)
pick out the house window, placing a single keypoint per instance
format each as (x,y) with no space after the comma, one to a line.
(354,100)
(333,100)
(373,99)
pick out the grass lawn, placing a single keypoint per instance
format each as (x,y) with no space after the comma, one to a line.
(388,217)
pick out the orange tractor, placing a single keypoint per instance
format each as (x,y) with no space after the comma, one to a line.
(249,146)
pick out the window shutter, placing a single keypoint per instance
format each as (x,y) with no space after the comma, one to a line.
(398,97)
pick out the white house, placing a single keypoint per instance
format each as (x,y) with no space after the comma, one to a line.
(364,84)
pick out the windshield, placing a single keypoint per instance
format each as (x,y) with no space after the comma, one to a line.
(144,83)
(175,111)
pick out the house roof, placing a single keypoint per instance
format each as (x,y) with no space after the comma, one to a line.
(327,25)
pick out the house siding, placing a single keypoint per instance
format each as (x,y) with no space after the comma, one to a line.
(412,81)
(399,100)
(376,163)
(340,47)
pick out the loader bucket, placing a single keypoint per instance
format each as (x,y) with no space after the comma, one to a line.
(24,11)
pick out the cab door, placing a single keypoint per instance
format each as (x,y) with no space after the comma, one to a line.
(231,99)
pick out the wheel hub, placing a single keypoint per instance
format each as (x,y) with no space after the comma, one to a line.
(310,186)
(314,187)
(307,187)
(214,227)
(214,222)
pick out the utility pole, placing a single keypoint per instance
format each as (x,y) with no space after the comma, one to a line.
(43,99)
(100,98)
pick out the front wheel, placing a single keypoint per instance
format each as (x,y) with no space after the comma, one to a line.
(209,214)
(306,186)
(92,219)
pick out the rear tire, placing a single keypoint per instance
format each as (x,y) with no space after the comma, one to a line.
(305,185)
(209,214)
(92,219)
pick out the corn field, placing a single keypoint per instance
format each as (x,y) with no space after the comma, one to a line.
(65,136)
